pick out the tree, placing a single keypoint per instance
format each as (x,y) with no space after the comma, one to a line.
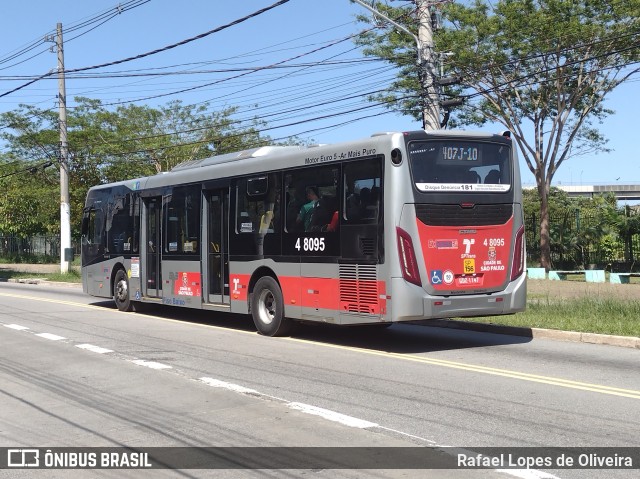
(105,146)
(540,68)
(26,208)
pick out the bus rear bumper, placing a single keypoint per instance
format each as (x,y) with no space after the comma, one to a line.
(411,303)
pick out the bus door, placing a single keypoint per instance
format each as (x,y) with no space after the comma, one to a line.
(152,263)
(218,257)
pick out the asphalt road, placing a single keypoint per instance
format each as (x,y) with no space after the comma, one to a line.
(175,377)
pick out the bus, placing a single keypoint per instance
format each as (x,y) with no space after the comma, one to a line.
(400,226)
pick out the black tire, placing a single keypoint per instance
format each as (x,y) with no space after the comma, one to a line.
(121,291)
(267,308)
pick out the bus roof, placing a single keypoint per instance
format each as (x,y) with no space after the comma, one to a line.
(280,157)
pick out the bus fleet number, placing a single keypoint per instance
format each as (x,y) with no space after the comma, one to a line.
(494,242)
(310,244)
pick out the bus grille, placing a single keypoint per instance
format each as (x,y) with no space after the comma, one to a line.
(358,288)
(456,215)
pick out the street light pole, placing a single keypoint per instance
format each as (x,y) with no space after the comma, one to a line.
(424,47)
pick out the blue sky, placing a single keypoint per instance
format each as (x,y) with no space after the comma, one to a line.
(300,94)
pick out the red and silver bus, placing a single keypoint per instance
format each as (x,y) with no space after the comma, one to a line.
(395,227)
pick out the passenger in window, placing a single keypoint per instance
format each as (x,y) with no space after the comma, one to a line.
(371,207)
(295,200)
(323,211)
(470,177)
(353,206)
(306,212)
(493,177)
(365,203)
(333,224)
(375,194)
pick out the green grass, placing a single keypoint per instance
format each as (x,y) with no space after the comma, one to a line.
(587,315)
(73,276)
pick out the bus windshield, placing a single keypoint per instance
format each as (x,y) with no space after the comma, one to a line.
(460,165)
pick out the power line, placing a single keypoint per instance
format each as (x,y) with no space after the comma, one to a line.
(112,12)
(253,70)
(29,169)
(156,51)
(354,61)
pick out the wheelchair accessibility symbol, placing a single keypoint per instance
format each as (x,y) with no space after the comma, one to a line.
(436,276)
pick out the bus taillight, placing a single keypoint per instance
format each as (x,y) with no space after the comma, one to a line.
(518,255)
(407,254)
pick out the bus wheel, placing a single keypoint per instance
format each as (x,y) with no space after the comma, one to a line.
(121,291)
(267,308)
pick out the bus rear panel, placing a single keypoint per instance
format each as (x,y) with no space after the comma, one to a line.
(461,235)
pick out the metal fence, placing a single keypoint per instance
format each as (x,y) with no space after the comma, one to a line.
(580,240)
(36,247)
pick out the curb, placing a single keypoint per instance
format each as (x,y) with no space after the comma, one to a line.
(538,333)
(44,282)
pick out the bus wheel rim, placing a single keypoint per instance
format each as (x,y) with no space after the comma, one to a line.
(267,307)
(121,290)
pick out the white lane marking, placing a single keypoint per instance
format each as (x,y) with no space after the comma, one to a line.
(95,349)
(419,438)
(528,473)
(359,423)
(331,415)
(216,383)
(15,326)
(150,364)
(52,337)
(305,408)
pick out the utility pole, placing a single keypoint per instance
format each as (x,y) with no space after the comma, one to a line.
(65,211)
(425,54)
(430,97)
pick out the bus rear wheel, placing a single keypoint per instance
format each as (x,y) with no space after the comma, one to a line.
(267,308)
(121,291)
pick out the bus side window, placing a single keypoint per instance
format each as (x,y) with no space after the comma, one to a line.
(120,225)
(312,199)
(88,225)
(258,204)
(182,220)
(362,191)
(91,234)
(92,227)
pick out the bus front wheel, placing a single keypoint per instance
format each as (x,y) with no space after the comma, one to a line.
(121,291)
(267,308)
